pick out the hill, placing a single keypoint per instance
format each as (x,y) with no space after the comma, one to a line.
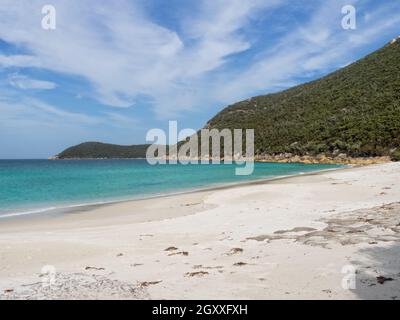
(98,150)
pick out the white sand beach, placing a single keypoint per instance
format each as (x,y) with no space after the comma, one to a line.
(293,238)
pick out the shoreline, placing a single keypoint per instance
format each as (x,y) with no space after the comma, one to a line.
(278,158)
(54,210)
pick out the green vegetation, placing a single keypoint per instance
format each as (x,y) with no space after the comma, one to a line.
(396,155)
(355,110)
(97,150)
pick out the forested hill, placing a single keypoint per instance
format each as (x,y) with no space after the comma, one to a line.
(98,150)
(355,110)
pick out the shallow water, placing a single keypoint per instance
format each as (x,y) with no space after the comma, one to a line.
(31,186)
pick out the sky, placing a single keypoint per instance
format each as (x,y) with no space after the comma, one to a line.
(112,70)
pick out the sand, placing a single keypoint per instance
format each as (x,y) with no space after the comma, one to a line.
(331,235)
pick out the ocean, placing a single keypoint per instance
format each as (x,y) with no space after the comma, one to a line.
(35,186)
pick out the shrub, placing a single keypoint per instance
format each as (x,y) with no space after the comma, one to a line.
(395,156)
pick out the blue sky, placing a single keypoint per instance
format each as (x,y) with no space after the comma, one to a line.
(112,70)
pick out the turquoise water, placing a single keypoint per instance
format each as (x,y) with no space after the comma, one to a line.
(31,186)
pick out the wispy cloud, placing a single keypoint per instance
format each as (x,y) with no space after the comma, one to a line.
(24,82)
(123,54)
(119,120)
(18,61)
(33,112)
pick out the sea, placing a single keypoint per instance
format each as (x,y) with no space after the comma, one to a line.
(37,186)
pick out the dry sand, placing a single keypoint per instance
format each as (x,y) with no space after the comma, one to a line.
(293,238)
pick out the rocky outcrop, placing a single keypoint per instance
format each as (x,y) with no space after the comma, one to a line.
(322,158)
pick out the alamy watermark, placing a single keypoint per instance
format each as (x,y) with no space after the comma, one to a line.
(349,280)
(48,275)
(183,147)
(49,21)
(349,21)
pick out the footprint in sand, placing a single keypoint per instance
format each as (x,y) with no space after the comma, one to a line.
(234,251)
(183,253)
(196,274)
(149,283)
(200,266)
(94,268)
(171,249)
(136,264)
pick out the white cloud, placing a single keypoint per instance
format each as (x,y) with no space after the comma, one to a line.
(33,112)
(119,120)
(25,82)
(18,60)
(216,31)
